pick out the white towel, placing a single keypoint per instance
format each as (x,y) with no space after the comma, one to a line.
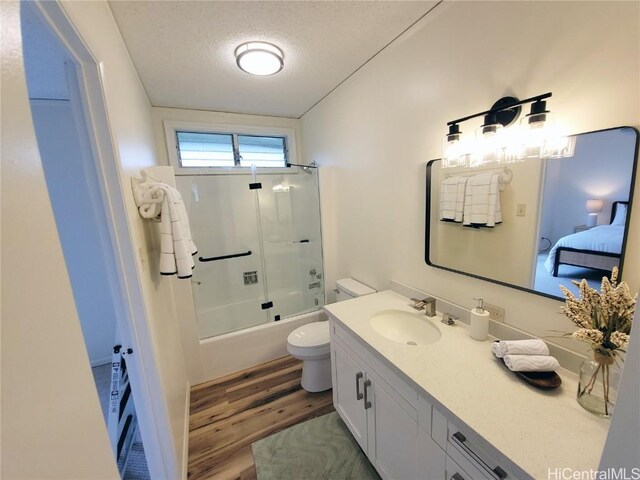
(476,201)
(448,198)
(482,206)
(534,346)
(176,244)
(530,363)
(462,186)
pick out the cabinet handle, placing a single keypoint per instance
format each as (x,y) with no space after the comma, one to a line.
(367,403)
(459,439)
(359,395)
(457,476)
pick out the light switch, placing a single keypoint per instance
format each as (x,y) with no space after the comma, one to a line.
(521,209)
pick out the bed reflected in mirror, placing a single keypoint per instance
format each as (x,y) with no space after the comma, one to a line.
(555,220)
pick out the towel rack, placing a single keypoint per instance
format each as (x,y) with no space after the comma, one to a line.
(506,179)
(225,257)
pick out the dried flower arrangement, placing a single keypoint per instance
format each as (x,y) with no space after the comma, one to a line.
(604,319)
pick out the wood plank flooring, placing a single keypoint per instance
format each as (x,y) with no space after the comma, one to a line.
(228,414)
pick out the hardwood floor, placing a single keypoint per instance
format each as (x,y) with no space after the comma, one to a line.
(228,414)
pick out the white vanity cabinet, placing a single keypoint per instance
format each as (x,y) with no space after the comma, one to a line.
(403,436)
(382,413)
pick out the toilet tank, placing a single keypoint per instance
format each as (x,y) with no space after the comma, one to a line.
(347,288)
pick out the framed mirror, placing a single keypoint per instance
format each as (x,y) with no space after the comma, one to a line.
(536,224)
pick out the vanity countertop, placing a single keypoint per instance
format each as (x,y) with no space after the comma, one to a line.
(537,430)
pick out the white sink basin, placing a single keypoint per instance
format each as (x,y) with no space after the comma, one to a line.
(404,327)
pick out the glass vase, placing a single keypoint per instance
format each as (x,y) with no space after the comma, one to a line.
(598,385)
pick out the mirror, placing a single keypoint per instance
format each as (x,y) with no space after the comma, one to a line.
(536,224)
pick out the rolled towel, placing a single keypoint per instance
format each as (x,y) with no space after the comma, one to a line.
(530,363)
(534,346)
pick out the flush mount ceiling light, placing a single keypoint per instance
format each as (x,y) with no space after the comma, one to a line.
(259,58)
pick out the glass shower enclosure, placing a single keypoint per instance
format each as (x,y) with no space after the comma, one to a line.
(259,246)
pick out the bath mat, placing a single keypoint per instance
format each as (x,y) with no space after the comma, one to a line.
(318,449)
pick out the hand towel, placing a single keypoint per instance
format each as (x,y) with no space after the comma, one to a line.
(476,201)
(448,198)
(462,187)
(534,346)
(530,363)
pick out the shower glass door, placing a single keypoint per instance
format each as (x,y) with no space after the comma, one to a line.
(259,249)
(289,208)
(228,293)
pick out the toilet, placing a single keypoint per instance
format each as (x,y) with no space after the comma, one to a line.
(310,343)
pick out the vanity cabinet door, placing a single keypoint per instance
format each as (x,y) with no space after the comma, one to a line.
(348,392)
(431,458)
(396,442)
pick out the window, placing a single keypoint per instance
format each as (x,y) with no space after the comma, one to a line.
(211,149)
(262,151)
(205,149)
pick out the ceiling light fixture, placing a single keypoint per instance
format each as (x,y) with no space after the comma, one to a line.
(259,58)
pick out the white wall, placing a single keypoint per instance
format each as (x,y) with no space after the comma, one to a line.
(52,425)
(374,134)
(63,159)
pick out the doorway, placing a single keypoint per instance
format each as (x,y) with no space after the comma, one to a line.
(78,192)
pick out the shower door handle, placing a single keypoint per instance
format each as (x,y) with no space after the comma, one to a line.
(224,257)
(359,395)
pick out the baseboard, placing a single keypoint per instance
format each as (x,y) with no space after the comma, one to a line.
(185,442)
(101,361)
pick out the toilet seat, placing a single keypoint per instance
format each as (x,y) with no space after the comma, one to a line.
(310,340)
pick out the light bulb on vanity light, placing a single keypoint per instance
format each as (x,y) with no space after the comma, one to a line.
(594,206)
(453,148)
(489,146)
(542,136)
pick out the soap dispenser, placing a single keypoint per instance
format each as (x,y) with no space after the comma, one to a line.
(479,321)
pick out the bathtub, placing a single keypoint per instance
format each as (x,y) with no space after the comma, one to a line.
(252,346)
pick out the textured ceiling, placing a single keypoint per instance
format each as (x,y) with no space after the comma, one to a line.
(183,50)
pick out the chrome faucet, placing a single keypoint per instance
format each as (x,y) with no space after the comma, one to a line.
(427,304)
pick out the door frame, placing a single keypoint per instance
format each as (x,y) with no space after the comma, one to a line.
(126,288)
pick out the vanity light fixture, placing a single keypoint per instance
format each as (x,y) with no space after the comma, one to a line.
(535,136)
(259,58)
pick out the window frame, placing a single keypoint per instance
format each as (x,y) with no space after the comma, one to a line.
(171,128)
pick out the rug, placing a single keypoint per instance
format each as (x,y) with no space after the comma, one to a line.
(321,448)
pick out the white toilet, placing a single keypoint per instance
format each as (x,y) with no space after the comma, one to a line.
(310,343)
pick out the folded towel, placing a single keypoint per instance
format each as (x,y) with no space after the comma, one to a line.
(535,346)
(476,202)
(530,363)
(482,206)
(462,186)
(448,198)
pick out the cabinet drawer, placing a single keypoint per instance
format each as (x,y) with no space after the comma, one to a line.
(453,471)
(476,456)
